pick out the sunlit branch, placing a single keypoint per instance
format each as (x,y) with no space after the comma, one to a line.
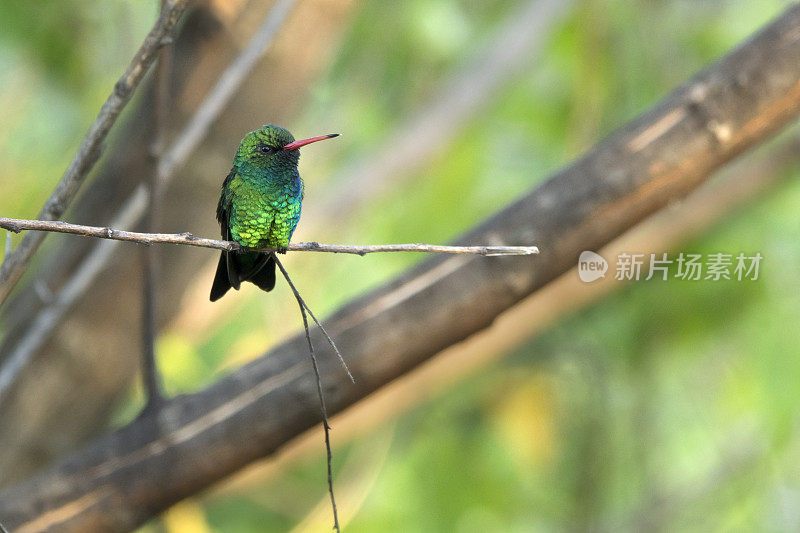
(16,225)
(134,208)
(88,153)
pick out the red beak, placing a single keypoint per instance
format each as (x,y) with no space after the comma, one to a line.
(297,144)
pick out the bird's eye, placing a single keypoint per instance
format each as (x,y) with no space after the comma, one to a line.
(264,149)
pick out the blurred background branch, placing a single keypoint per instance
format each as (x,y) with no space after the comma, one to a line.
(32,332)
(14,264)
(151,380)
(461,96)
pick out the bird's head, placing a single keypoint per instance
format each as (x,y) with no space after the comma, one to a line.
(272,146)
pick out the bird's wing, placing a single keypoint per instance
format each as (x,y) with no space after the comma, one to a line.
(223,212)
(224,205)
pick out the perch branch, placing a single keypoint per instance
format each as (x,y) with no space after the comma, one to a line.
(150,256)
(89,151)
(16,225)
(121,480)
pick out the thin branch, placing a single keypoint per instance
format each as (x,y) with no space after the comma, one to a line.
(135,206)
(219,96)
(149,330)
(89,151)
(150,257)
(325,424)
(305,305)
(17,225)
(513,47)
(39,330)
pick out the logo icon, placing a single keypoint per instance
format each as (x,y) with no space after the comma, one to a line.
(591,266)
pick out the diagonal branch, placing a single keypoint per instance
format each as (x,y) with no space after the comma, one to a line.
(469,89)
(151,264)
(123,479)
(89,151)
(134,208)
(16,225)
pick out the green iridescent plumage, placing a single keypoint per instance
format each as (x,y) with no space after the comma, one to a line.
(259,206)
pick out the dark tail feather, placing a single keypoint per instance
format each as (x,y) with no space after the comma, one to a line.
(235,268)
(264,278)
(221,280)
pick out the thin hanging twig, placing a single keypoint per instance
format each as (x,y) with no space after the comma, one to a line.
(305,305)
(328,337)
(325,424)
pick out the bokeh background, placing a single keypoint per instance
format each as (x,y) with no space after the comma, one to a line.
(651,405)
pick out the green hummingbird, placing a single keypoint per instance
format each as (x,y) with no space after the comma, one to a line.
(259,206)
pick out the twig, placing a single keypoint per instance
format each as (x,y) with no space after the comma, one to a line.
(324,410)
(41,327)
(305,305)
(150,260)
(219,96)
(190,240)
(303,308)
(135,206)
(512,48)
(89,152)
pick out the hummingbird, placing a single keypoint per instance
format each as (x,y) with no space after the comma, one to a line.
(259,206)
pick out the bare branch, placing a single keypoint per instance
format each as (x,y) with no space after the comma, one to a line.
(135,207)
(462,95)
(89,151)
(39,330)
(15,224)
(151,265)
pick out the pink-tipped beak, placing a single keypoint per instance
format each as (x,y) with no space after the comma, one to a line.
(297,144)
